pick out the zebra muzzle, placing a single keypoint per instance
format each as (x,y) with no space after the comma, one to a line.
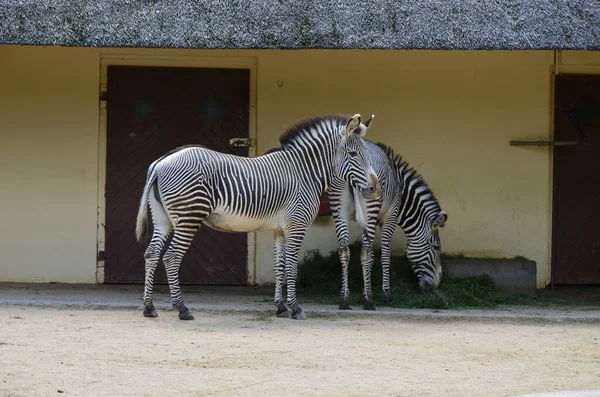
(371,191)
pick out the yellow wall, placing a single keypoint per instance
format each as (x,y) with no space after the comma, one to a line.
(48,164)
(579,61)
(451,114)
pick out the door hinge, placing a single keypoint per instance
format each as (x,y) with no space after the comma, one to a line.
(101,256)
(103,96)
(240,142)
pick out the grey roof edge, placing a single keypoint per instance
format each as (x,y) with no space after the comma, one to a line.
(304,24)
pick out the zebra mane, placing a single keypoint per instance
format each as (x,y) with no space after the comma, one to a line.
(304,127)
(404,168)
(273,150)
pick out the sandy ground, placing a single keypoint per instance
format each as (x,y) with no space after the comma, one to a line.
(49,351)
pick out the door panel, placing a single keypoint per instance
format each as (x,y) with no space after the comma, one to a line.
(576,212)
(151,110)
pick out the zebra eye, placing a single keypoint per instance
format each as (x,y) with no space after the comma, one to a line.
(353,154)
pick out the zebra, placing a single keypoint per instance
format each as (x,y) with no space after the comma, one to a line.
(403,199)
(278,192)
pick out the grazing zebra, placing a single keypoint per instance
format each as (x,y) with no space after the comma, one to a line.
(404,199)
(279,192)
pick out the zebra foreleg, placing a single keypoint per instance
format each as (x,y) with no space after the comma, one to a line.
(344,253)
(279,269)
(387,232)
(366,259)
(293,241)
(341,216)
(341,229)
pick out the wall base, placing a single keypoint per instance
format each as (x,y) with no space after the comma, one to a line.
(517,275)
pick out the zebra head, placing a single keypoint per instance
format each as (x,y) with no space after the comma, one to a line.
(352,159)
(424,252)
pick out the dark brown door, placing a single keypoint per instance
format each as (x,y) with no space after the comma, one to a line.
(576,216)
(151,110)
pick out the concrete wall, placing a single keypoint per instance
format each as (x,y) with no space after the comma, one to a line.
(451,114)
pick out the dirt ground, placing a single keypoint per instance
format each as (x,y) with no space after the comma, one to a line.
(116,352)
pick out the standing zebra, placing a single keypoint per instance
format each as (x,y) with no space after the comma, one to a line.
(404,199)
(279,191)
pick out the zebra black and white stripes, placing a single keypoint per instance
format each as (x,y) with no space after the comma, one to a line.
(277,192)
(403,199)
(420,218)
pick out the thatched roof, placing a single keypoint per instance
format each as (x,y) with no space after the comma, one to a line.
(296,24)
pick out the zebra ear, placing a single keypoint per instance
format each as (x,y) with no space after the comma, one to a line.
(440,220)
(353,125)
(368,122)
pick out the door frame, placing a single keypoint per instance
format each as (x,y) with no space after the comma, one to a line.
(559,67)
(167,58)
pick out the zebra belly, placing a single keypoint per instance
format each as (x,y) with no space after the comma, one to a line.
(225,222)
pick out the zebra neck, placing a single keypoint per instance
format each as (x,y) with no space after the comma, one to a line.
(315,164)
(418,207)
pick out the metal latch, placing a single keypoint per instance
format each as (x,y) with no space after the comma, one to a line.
(240,142)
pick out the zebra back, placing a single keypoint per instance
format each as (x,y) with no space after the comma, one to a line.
(418,203)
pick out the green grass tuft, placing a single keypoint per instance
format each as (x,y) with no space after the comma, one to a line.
(458,255)
(319,281)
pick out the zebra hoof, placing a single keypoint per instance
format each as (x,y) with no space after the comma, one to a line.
(282,312)
(369,305)
(150,311)
(344,305)
(299,314)
(185,314)
(389,298)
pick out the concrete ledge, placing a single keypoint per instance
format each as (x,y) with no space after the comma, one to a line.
(251,300)
(517,275)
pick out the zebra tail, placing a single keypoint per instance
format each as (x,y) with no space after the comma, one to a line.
(143,230)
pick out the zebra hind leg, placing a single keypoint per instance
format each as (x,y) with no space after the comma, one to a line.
(182,238)
(279,269)
(162,230)
(152,256)
(292,249)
